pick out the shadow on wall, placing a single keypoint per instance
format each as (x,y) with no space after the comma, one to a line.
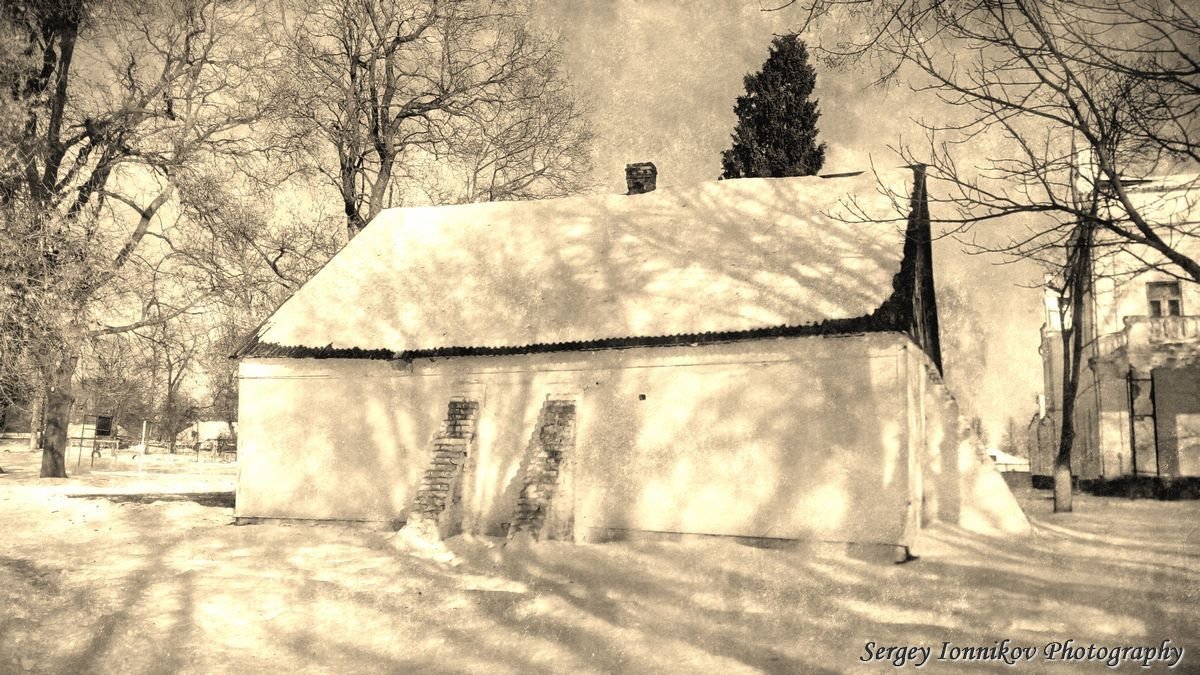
(791,438)
(794,449)
(494,505)
(332,438)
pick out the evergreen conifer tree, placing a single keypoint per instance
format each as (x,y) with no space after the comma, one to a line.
(776,132)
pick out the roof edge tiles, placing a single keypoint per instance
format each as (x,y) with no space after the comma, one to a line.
(881,321)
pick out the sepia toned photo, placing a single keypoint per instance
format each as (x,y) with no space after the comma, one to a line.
(599,336)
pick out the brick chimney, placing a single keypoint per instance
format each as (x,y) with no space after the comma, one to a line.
(641,177)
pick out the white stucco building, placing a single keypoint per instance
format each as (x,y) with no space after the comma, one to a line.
(753,358)
(1137,410)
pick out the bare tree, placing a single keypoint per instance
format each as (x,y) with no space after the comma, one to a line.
(533,144)
(114,379)
(1076,102)
(399,95)
(1012,441)
(1079,97)
(177,346)
(118,103)
(253,254)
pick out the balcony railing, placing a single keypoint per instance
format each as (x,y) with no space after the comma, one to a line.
(1146,332)
(1163,329)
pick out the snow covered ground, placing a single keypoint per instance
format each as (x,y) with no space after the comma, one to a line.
(97,574)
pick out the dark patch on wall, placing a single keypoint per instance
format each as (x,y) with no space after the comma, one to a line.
(546,483)
(912,307)
(436,510)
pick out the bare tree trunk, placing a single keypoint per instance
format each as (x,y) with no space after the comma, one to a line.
(37,422)
(1079,273)
(169,407)
(58,415)
(1062,459)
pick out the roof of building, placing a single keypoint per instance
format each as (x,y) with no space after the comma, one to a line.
(720,257)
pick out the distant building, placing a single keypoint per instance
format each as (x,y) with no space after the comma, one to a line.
(723,359)
(1138,404)
(207,431)
(95,433)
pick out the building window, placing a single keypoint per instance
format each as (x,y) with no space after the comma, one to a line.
(1165,298)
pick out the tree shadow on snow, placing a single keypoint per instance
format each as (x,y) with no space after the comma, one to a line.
(213,499)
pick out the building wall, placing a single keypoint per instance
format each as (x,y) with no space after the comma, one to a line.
(1120,281)
(1087,453)
(1102,415)
(331,439)
(1177,399)
(941,490)
(1102,421)
(1104,430)
(812,438)
(814,446)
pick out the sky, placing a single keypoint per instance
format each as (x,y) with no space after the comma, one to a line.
(663,75)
